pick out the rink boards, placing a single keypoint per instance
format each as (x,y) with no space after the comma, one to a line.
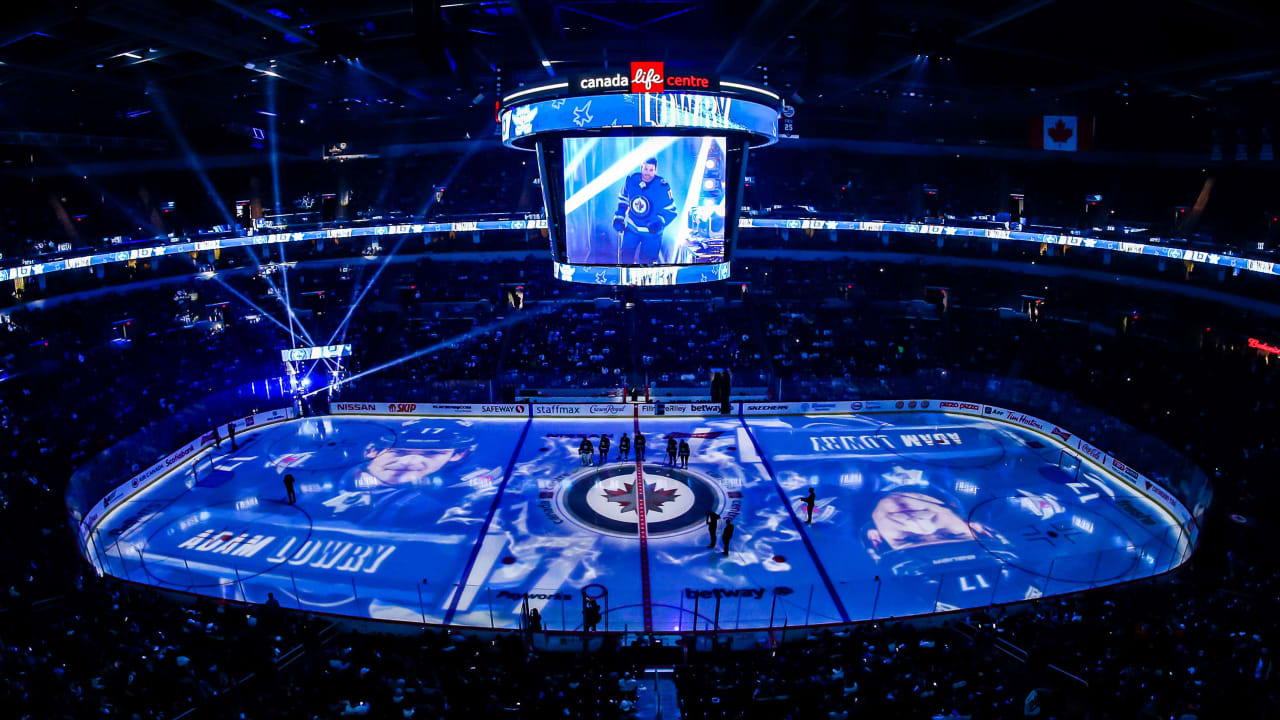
(443,514)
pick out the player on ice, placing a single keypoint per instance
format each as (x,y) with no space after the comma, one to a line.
(604,448)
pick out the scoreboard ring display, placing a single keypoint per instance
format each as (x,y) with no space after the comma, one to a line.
(641,172)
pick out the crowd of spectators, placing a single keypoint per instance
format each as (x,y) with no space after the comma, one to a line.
(85,372)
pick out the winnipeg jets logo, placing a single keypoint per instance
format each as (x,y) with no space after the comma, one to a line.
(557,103)
(640,205)
(604,500)
(582,115)
(602,278)
(523,119)
(625,497)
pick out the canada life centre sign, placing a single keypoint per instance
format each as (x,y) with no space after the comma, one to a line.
(645,77)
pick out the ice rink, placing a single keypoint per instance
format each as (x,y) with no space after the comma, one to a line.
(460,520)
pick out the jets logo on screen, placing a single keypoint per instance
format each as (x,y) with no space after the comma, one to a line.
(647,77)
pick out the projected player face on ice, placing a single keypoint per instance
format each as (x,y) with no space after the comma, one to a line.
(912,519)
(916,527)
(407,466)
(429,473)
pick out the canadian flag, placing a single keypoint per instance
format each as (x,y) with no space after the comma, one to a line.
(1061,132)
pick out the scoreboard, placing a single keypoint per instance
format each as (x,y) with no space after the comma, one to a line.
(641,172)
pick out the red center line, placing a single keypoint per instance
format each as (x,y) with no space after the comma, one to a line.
(644,535)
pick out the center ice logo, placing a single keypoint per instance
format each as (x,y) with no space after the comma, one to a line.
(604,500)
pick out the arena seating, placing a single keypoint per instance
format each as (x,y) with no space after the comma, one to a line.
(1194,644)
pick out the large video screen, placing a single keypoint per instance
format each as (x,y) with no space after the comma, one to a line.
(652,200)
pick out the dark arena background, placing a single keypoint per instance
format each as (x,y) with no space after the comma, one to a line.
(639,359)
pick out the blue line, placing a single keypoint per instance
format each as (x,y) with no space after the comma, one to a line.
(813,554)
(484,529)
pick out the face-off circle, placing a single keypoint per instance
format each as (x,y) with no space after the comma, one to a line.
(603,500)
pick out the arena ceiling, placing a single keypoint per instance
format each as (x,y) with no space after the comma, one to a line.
(149,71)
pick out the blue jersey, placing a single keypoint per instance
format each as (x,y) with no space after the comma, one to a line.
(643,203)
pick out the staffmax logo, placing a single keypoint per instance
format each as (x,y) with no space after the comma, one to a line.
(557,409)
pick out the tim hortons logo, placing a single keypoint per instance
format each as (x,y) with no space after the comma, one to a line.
(647,77)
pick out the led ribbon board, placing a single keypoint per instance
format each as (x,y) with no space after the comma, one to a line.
(637,276)
(186,245)
(661,111)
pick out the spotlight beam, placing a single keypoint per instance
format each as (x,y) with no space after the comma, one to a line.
(471,149)
(470,334)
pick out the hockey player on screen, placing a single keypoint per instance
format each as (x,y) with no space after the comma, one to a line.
(646,206)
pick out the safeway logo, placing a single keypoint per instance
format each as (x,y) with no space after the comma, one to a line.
(647,77)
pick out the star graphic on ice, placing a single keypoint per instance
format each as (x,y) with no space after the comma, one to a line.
(904,476)
(654,498)
(582,115)
(557,103)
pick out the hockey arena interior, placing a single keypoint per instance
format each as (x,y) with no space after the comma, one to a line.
(639,359)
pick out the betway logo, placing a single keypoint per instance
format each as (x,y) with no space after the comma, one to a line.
(748,593)
(704,408)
